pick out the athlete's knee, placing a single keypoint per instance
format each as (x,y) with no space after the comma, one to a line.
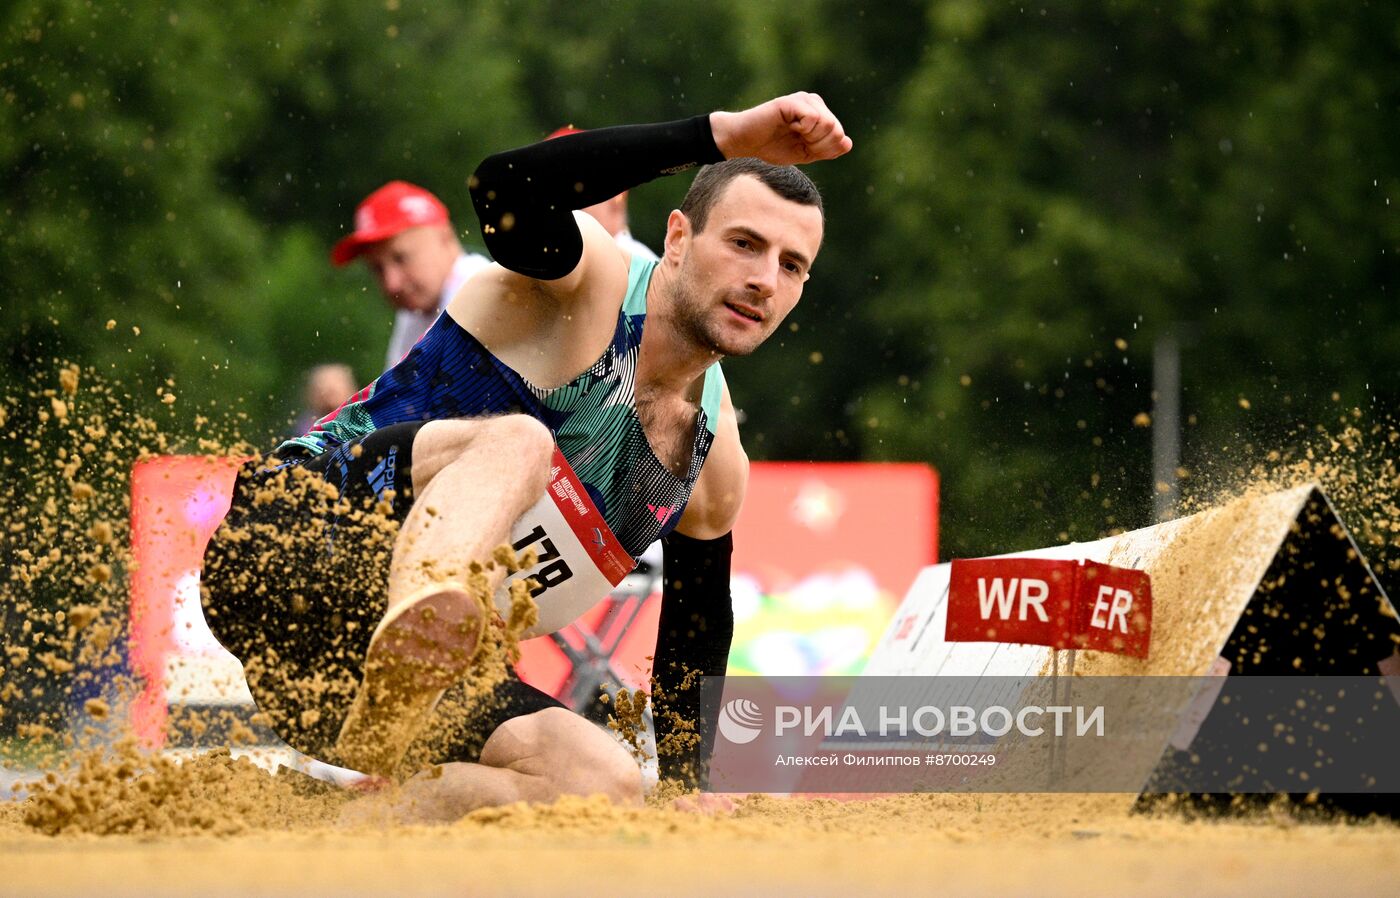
(559,753)
(522,447)
(515,436)
(526,437)
(520,443)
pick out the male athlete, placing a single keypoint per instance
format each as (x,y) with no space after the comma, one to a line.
(569,402)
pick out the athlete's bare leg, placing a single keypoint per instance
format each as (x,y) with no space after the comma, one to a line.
(536,758)
(471,480)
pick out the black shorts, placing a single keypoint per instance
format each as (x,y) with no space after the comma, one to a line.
(296,579)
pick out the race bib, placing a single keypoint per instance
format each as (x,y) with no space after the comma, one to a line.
(580,560)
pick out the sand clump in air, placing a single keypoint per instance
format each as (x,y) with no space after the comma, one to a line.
(68,452)
(68,638)
(65,687)
(1356,461)
(1233,518)
(65,690)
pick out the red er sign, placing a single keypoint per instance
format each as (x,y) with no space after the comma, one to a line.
(1061,604)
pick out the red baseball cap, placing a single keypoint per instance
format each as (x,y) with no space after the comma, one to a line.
(392,209)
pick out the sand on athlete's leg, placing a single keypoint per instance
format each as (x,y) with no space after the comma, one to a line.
(538,758)
(472,480)
(421,647)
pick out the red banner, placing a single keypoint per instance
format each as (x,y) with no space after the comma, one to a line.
(1026,600)
(1113,610)
(1060,604)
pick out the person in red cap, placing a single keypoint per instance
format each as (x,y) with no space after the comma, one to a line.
(611,213)
(408,242)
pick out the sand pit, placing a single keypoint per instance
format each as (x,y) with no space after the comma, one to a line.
(133,824)
(992,844)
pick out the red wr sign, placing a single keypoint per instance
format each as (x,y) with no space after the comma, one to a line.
(1061,604)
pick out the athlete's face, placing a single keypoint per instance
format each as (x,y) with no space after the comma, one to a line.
(412,266)
(742,275)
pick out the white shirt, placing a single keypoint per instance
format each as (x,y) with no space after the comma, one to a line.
(410,326)
(633,246)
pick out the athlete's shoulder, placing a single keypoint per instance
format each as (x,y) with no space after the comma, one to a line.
(606,267)
(601,276)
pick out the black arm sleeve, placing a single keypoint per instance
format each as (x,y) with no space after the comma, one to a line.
(525,198)
(692,639)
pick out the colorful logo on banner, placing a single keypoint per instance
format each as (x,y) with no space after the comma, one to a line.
(1060,604)
(822,554)
(822,624)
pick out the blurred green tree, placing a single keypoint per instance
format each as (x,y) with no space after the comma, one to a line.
(1065,184)
(1033,189)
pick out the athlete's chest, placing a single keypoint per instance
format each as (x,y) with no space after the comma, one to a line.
(669,425)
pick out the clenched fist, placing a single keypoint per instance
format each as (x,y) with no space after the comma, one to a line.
(790,130)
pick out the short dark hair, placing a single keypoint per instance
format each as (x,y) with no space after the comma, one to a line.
(787,181)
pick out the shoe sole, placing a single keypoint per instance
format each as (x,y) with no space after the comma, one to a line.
(424,645)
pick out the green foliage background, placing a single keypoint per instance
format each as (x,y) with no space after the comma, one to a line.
(1030,184)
